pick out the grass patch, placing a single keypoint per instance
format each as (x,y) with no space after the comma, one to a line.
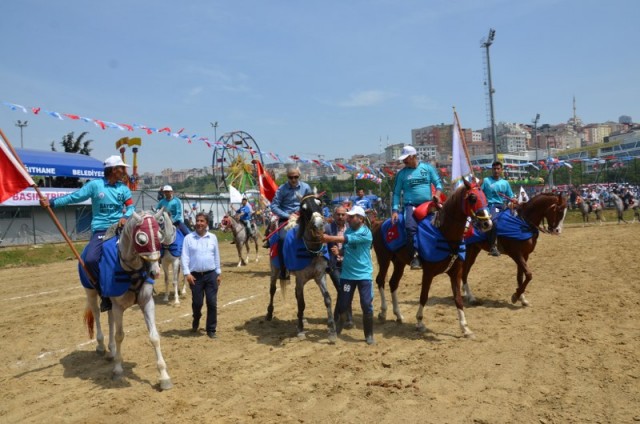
(37,254)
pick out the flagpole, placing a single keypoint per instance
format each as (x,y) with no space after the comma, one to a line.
(51,214)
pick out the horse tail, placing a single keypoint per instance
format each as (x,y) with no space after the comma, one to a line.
(89,321)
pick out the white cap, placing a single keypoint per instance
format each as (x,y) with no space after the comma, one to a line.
(114,160)
(167,188)
(407,151)
(357,210)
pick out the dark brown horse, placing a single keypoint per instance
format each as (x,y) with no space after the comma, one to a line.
(547,206)
(467,201)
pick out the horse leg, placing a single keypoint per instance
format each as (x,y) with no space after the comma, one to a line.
(175,268)
(455,275)
(239,248)
(322,285)
(272,292)
(394,283)
(148,308)
(94,308)
(383,267)
(427,278)
(523,270)
(118,314)
(472,255)
(255,242)
(301,305)
(165,271)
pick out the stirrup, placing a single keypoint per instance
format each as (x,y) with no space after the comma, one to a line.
(415,263)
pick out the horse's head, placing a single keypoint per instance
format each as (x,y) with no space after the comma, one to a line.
(555,214)
(167,229)
(311,218)
(225,223)
(146,239)
(475,206)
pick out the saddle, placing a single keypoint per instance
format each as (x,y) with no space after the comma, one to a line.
(113,279)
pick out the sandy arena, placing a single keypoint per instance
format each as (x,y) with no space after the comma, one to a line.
(571,357)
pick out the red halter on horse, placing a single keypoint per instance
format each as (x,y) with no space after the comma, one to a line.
(545,206)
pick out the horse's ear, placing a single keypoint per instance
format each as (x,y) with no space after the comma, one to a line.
(467,184)
(136,216)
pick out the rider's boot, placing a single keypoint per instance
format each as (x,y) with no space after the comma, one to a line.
(415,261)
(105,304)
(493,242)
(367,324)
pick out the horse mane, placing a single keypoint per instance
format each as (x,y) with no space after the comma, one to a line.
(449,207)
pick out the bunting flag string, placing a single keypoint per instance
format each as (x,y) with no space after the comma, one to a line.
(369,172)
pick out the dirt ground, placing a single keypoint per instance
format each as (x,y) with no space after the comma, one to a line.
(572,356)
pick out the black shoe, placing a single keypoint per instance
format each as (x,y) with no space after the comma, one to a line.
(494,251)
(266,244)
(212,335)
(194,326)
(415,263)
(105,304)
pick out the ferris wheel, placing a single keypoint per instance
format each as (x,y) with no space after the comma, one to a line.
(232,156)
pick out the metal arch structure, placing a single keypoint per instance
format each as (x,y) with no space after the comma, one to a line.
(231,163)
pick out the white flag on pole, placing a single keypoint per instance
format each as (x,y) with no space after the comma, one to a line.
(234,195)
(459,163)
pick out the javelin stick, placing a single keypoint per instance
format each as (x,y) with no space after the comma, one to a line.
(51,214)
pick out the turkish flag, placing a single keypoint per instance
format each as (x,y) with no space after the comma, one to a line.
(268,187)
(14,177)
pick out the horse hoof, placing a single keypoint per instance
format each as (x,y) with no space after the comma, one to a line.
(421,328)
(116,376)
(514,299)
(400,320)
(101,352)
(269,317)
(470,335)
(382,317)
(166,384)
(302,335)
(333,337)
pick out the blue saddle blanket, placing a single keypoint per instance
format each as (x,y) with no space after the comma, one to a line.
(296,255)
(394,235)
(114,281)
(433,247)
(507,225)
(174,248)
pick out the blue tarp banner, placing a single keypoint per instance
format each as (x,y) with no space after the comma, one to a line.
(60,164)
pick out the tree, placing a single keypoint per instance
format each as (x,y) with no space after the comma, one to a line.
(71,145)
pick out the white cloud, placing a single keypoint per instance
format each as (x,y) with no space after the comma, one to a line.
(366,98)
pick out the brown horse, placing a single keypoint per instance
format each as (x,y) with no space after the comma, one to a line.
(467,196)
(548,206)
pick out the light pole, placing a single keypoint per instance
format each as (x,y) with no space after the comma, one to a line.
(535,135)
(486,44)
(21,124)
(215,130)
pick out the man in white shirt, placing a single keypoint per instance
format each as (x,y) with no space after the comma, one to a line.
(201,267)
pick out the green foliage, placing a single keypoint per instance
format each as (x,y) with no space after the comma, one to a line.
(75,145)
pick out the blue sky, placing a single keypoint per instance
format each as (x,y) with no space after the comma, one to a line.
(308,77)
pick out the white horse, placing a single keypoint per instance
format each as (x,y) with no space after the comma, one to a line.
(171,248)
(619,205)
(137,253)
(241,237)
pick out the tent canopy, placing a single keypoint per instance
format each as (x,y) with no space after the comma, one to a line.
(60,164)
